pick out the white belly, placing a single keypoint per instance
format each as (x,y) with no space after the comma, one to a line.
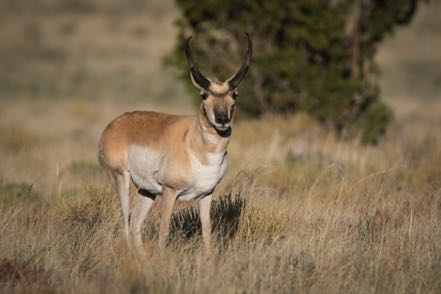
(205,177)
(143,166)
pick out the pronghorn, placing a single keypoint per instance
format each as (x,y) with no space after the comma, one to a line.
(175,157)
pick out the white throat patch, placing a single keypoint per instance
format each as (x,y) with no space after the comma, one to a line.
(205,177)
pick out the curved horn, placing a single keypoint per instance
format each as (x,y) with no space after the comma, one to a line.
(235,80)
(198,78)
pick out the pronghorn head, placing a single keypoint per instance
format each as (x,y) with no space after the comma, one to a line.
(218,98)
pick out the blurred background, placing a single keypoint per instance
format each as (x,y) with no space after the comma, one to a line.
(91,50)
(114,50)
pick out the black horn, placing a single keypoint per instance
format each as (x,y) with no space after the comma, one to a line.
(197,76)
(235,80)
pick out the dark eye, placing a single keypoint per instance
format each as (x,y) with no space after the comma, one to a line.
(204,95)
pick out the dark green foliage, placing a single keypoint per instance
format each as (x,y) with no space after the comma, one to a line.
(373,121)
(315,56)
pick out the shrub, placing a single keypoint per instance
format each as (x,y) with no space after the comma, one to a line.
(88,210)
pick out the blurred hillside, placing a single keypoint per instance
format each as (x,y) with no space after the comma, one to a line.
(113,50)
(87,50)
(410,60)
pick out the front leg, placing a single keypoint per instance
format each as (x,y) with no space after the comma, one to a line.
(167,202)
(204,214)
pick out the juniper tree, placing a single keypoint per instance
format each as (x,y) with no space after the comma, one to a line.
(316,56)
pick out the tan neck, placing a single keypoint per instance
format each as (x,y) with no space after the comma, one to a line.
(205,138)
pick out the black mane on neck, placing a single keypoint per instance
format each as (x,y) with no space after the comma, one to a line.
(224,133)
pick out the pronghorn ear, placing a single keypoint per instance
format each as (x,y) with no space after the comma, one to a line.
(234,94)
(204,94)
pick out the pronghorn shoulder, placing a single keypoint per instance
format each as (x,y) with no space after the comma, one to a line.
(139,116)
(140,123)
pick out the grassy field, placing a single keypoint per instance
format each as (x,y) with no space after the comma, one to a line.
(298,210)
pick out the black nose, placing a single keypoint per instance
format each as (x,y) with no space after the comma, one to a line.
(222,118)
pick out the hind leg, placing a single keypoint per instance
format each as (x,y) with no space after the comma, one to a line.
(121,183)
(145,202)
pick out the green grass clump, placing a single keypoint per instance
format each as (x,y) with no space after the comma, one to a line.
(261,223)
(88,209)
(19,192)
(84,168)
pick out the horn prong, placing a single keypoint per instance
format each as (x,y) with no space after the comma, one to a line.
(235,80)
(197,76)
